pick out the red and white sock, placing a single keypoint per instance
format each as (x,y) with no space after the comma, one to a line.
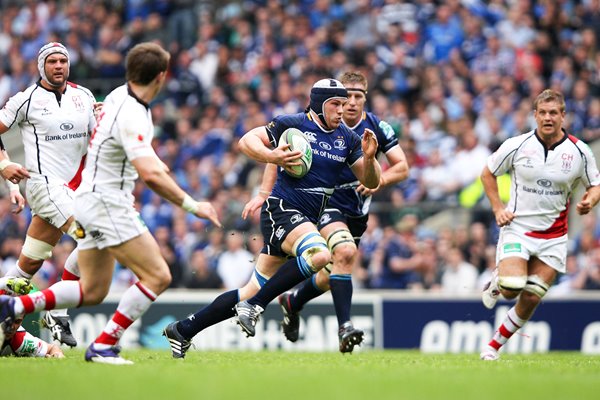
(63,294)
(135,301)
(510,325)
(71,269)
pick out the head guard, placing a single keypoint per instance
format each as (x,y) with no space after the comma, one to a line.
(45,51)
(323,91)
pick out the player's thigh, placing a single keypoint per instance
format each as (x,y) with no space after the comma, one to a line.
(512,266)
(42,230)
(142,256)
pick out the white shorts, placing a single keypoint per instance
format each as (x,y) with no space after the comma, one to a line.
(52,202)
(514,243)
(108,219)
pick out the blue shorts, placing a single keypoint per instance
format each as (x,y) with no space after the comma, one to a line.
(277,219)
(356,225)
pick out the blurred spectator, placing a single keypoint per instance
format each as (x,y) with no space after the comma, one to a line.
(458,277)
(201,275)
(235,264)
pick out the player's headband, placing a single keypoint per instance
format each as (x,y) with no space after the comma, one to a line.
(45,51)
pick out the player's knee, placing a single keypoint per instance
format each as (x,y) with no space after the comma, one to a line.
(93,294)
(511,286)
(341,243)
(312,251)
(36,249)
(322,278)
(536,285)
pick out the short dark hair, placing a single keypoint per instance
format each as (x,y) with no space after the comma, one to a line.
(549,95)
(354,77)
(144,62)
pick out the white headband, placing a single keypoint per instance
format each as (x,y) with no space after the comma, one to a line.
(45,51)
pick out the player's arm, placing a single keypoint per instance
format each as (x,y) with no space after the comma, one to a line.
(589,200)
(367,169)
(256,145)
(268,181)
(154,175)
(490,186)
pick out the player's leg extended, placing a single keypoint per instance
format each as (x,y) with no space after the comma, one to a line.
(142,256)
(311,255)
(534,287)
(180,333)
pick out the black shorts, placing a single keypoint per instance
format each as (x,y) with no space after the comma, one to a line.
(356,225)
(277,219)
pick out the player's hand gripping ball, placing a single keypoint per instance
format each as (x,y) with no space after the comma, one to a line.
(298,142)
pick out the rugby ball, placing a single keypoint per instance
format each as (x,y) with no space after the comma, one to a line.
(298,142)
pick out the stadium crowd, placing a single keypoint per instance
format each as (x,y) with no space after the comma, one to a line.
(453,78)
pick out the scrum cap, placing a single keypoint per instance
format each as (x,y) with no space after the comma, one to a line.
(45,51)
(323,91)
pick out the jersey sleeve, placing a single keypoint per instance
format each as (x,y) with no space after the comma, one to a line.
(386,137)
(24,344)
(135,137)
(590,176)
(276,127)
(355,148)
(500,162)
(14,110)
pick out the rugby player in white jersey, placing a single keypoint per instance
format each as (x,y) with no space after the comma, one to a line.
(120,151)
(55,118)
(545,165)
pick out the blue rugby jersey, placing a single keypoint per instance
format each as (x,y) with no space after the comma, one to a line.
(346,198)
(333,152)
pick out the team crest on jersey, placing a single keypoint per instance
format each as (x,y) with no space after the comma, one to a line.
(79,104)
(339,144)
(567,162)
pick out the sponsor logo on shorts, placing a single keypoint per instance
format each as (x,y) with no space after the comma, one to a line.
(325,218)
(511,248)
(97,235)
(279,232)
(295,218)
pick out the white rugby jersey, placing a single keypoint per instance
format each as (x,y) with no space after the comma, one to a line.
(124,133)
(542,181)
(55,130)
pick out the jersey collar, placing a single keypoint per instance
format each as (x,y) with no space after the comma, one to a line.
(565,136)
(55,92)
(142,102)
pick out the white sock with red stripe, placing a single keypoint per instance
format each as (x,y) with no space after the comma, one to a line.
(63,294)
(510,325)
(135,301)
(70,273)
(71,269)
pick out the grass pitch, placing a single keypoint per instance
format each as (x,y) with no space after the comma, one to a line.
(368,375)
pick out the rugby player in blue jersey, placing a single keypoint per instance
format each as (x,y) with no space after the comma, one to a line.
(344,220)
(293,250)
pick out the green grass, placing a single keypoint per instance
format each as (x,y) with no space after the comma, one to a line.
(372,375)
